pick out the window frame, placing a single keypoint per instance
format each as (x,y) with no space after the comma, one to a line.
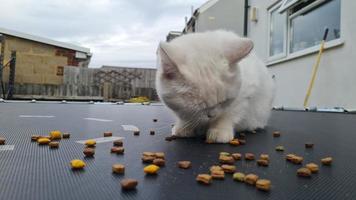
(285,6)
(288,31)
(285,34)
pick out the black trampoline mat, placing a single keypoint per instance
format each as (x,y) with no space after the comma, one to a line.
(36,172)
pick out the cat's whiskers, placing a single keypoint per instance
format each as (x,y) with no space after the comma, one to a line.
(193,122)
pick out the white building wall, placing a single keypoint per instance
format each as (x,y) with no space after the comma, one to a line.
(224,14)
(335,84)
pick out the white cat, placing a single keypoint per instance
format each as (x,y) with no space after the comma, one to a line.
(212,80)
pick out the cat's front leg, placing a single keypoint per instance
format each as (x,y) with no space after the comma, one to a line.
(221,130)
(181,130)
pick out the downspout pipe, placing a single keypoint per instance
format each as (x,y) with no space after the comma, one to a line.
(247,6)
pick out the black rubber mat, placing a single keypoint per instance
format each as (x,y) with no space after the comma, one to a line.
(37,172)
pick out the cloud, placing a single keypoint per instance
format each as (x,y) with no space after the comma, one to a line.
(118,32)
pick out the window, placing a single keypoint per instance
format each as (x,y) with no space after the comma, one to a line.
(305,23)
(60,70)
(308,28)
(277,30)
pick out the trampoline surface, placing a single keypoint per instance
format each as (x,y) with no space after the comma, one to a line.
(30,171)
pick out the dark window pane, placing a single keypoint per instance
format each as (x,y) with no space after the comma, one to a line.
(307,29)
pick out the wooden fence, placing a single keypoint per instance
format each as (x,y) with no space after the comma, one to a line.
(106,83)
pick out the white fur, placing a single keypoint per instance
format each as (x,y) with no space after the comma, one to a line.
(211,80)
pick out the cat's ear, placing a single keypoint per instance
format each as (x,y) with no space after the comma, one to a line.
(169,67)
(237,49)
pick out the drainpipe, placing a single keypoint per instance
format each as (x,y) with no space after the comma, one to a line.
(246,17)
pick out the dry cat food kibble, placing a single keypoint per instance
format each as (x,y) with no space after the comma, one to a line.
(136,133)
(159,162)
(289,157)
(224,154)
(263,184)
(297,159)
(66,135)
(279,148)
(2,141)
(118,143)
(77,164)
(184,164)
(304,172)
(151,169)
(228,168)
(45,136)
(314,168)
(129,184)
(53,144)
(147,159)
(242,142)
(264,157)
(236,156)
(262,162)
(215,168)
(118,169)
(251,179)
(309,145)
(150,157)
(159,155)
(146,153)
(34,138)
(249,156)
(120,150)
(152,132)
(90,143)
(235,142)
(107,134)
(55,135)
(43,141)
(238,176)
(327,161)
(88,152)
(114,149)
(226,159)
(217,174)
(204,178)
(276,134)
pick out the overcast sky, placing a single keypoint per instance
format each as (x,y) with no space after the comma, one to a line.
(118,32)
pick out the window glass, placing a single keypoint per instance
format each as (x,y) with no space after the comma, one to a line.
(308,28)
(277,33)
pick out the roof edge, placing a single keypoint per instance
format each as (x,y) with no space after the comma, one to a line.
(44,40)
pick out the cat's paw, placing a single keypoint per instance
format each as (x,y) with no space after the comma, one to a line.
(219,136)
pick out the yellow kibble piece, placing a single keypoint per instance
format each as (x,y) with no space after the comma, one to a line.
(77,164)
(55,135)
(43,141)
(90,143)
(151,169)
